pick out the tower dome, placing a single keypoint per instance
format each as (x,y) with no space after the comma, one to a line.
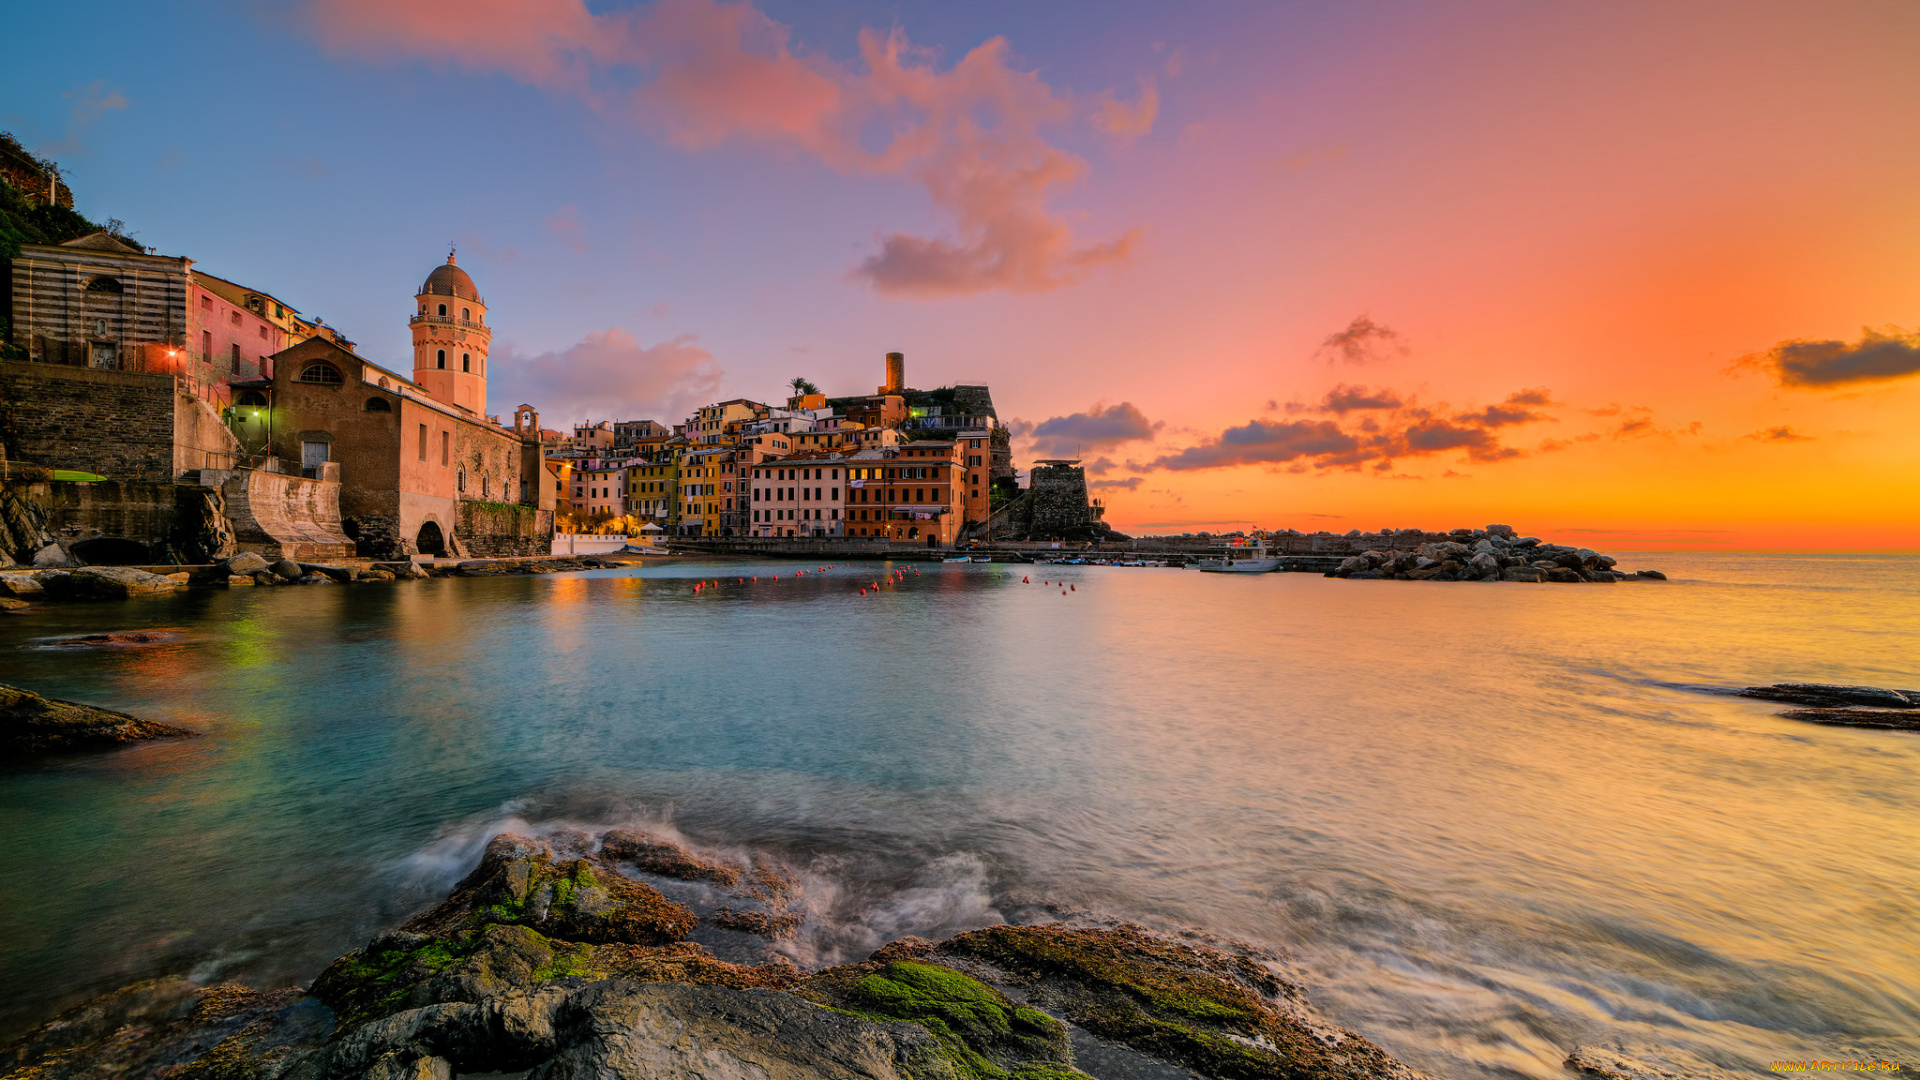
(450,280)
(450,339)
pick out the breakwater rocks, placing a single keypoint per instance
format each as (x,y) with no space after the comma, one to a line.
(563,957)
(31,724)
(1848,706)
(1494,553)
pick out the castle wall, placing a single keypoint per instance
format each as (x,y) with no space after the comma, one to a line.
(1058,496)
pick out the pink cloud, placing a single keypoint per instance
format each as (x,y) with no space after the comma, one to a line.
(1124,122)
(608,375)
(708,72)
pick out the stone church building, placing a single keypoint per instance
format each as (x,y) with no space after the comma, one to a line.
(422,468)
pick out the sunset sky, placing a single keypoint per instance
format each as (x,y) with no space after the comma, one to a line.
(1640,274)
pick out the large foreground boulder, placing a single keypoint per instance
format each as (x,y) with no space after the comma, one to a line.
(31,724)
(557,959)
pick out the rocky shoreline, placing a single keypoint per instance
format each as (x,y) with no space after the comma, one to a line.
(19,589)
(1494,553)
(562,957)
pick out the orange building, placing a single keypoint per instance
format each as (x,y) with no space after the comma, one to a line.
(911,493)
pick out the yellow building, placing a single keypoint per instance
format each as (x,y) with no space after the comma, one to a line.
(653,491)
(710,505)
(717,424)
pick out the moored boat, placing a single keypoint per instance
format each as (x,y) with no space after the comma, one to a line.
(1241,559)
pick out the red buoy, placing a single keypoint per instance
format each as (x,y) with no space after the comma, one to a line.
(1026,581)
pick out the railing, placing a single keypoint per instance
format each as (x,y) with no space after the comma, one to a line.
(907,512)
(448,320)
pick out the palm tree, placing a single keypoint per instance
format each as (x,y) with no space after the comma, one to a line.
(802,385)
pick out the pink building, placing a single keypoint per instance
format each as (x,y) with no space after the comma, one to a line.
(230,332)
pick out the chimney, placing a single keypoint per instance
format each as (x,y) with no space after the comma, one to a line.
(896,373)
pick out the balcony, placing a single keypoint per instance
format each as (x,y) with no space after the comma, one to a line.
(448,320)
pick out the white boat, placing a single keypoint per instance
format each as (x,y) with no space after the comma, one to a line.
(983,558)
(1241,559)
(962,558)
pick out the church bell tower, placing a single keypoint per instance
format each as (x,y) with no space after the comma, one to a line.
(450,339)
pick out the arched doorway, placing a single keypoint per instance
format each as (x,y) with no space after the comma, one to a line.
(430,541)
(113,551)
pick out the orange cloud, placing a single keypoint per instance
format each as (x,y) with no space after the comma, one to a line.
(709,71)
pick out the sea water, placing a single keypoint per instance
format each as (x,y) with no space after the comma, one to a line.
(1485,823)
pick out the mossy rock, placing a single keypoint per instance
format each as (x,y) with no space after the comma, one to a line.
(582,900)
(985,1035)
(524,917)
(388,975)
(1194,1005)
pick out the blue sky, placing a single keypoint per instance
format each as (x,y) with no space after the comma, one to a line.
(1625,211)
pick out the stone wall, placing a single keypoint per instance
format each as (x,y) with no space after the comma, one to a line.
(377,536)
(493,529)
(115,423)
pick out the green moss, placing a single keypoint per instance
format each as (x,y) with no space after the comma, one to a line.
(567,960)
(912,991)
(969,1018)
(1035,1020)
(365,985)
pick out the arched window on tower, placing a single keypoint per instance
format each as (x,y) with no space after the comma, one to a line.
(441,360)
(467,314)
(466,361)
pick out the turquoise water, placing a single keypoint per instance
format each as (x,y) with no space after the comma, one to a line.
(1486,823)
